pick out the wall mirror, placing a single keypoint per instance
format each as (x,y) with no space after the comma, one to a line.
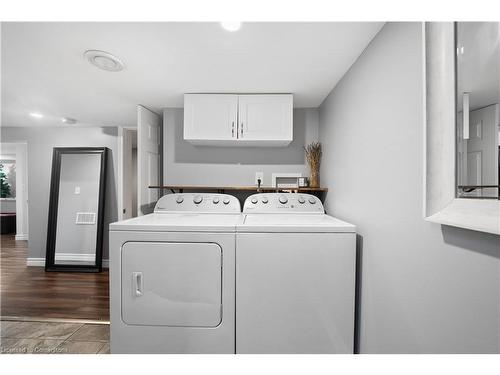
(478,117)
(461,85)
(76,211)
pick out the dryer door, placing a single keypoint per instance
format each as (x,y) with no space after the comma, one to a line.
(172,284)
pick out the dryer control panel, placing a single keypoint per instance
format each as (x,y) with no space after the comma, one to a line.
(198,202)
(283,203)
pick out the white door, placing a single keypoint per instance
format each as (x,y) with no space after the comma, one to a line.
(210,117)
(482,149)
(148,159)
(171,284)
(129,174)
(265,117)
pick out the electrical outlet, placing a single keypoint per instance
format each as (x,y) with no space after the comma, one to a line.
(259,175)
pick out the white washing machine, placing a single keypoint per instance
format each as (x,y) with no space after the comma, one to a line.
(172,282)
(295,277)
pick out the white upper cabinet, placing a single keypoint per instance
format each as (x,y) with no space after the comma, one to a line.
(244,120)
(210,118)
(266,118)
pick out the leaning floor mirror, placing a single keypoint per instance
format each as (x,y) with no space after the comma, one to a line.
(76,211)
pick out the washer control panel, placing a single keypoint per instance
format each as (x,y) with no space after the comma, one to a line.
(282,202)
(198,202)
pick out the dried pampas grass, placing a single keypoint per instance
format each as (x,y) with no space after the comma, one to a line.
(313,156)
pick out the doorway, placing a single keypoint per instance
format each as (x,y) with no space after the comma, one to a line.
(14,194)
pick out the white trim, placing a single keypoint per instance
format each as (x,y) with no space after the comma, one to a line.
(20,149)
(440,202)
(35,262)
(485,214)
(40,262)
(21,237)
(424,125)
(75,257)
(120,173)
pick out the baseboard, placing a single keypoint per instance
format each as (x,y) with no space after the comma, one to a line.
(40,262)
(35,262)
(21,237)
(75,257)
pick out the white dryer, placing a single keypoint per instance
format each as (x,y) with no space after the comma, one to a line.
(172,286)
(295,277)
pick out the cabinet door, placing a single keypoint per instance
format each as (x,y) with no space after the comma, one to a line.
(210,117)
(265,117)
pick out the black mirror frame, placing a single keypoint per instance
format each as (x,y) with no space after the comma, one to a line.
(53,209)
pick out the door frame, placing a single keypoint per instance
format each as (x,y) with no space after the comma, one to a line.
(20,149)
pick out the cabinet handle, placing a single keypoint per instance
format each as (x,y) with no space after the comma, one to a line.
(241,130)
(232,130)
(137,281)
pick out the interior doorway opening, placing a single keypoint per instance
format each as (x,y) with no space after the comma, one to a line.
(14,191)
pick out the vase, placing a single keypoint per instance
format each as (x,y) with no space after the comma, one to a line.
(314,181)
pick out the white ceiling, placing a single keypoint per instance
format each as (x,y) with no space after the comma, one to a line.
(43,68)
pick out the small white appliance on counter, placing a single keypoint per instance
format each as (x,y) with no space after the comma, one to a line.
(295,277)
(172,280)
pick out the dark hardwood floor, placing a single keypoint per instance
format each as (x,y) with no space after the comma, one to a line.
(32,292)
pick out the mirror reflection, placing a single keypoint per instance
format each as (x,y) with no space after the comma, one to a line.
(77,209)
(478,112)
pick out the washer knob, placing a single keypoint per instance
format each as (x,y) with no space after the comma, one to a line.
(198,199)
(265,200)
(226,201)
(301,200)
(312,200)
(179,199)
(283,199)
(254,200)
(215,200)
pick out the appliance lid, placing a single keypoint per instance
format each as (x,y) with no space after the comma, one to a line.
(180,222)
(299,223)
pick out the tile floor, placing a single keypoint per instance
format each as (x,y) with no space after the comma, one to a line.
(30,337)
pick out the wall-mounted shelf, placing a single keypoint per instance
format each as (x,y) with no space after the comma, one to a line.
(222,189)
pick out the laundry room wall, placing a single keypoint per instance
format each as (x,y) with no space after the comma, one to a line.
(41,142)
(425,288)
(186,164)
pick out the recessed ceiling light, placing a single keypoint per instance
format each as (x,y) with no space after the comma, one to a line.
(36,115)
(68,120)
(104,60)
(231,26)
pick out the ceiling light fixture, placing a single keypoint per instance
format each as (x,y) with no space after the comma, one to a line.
(104,60)
(68,120)
(36,115)
(231,26)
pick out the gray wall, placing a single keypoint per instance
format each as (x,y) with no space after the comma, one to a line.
(41,141)
(185,164)
(425,288)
